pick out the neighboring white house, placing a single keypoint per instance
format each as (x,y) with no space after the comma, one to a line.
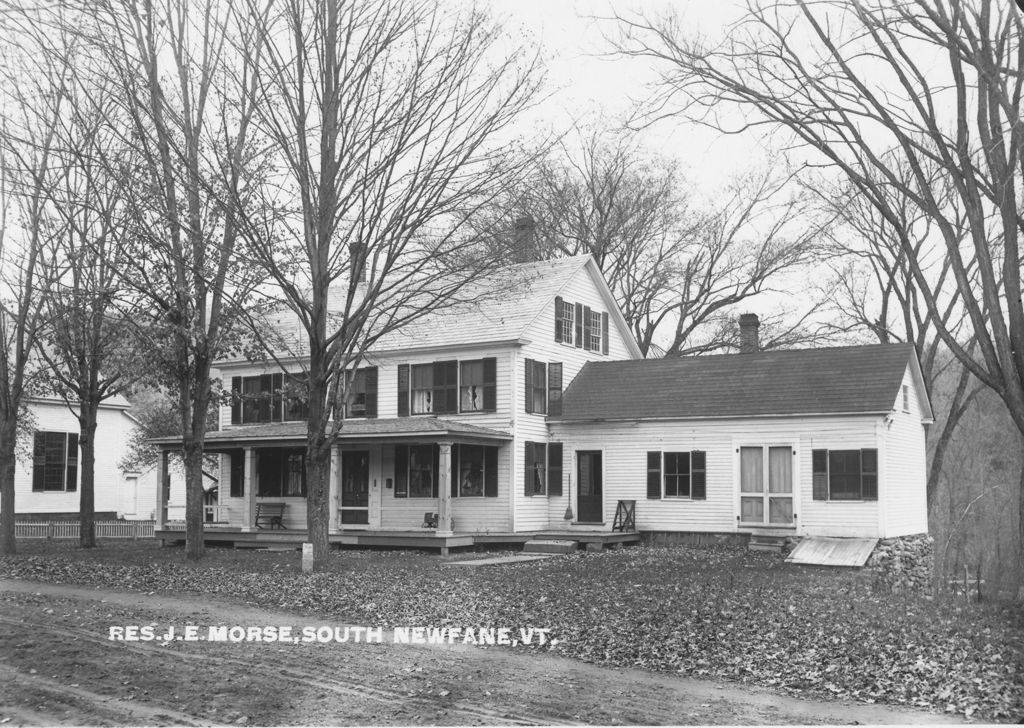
(462,414)
(48,483)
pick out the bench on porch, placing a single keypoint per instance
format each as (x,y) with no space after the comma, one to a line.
(270,513)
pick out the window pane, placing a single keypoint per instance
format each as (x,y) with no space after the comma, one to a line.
(677,474)
(751,470)
(471,471)
(423,389)
(421,471)
(471,389)
(844,474)
(780,509)
(780,470)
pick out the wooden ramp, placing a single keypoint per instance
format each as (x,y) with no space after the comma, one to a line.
(832,551)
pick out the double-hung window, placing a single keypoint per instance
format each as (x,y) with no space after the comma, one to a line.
(542,471)
(475,469)
(55,461)
(845,475)
(677,474)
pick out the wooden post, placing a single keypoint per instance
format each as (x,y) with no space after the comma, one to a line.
(249,483)
(444,485)
(162,489)
(332,491)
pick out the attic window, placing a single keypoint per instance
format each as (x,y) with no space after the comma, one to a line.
(565,321)
(906,398)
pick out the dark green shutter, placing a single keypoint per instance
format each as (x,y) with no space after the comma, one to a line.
(276,387)
(401,470)
(528,469)
(819,479)
(490,384)
(555,468)
(604,333)
(555,389)
(71,474)
(39,461)
(371,391)
(456,471)
(266,395)
(698,475)
(654,474)
(403,391)
(237,473)
(579,325)
(529,386)
(436,471)
(558,318)
(446,390)
(869,474)
(236,400)
(586,327)
(490,472)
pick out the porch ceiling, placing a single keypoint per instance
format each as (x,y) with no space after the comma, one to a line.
(399,428)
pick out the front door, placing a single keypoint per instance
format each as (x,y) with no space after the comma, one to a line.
(589,498)
(766,486)
(355,488)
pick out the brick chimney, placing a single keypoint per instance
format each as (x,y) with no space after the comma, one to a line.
(524,243)
(749,324)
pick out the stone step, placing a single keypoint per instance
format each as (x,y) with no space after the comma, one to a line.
(760,542)
(539,546)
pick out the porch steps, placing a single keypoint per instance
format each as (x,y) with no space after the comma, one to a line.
(550,546)
(771,544)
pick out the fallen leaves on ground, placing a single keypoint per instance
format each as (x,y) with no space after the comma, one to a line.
(715,612)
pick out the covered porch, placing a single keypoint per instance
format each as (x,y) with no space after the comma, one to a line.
(387,477)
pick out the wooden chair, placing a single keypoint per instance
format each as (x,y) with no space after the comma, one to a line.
(625,516)
(429,520)
(271,514)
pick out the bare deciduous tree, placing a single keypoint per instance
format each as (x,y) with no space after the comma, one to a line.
(388,121)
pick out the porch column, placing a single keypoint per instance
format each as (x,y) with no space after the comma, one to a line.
(249,483)
(332,490)
(444,486)
(162,490)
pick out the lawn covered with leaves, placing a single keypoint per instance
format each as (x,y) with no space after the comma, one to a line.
(720,613)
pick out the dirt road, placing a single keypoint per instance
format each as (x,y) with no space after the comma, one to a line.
(58,667)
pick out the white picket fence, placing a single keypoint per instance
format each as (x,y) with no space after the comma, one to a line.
(69,529)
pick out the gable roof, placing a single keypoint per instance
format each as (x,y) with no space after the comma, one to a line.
(499,306)
(840,380)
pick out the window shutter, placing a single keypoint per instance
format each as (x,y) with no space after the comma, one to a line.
(604,332)
(490,384)
(276,385)
(698,475)
(402,468)
(455,476)
(555,389)
(528,469)
(436,471)
(451,381)
(371,392)
(38,461)
(579,325)
(558,318)
(555,468)
(237,473)
(869,474)
(586,327)
(236,400)
(403,391)
(819,480)
(529,386)
(654,474)
(71,483)
(490,472)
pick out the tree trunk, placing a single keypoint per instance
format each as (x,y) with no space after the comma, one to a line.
(194,546)
(318,480)
(8,439)
(87,414)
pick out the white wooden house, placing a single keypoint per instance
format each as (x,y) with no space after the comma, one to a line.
(46,482)
(462,417)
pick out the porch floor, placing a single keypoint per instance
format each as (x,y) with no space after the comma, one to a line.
(423,538)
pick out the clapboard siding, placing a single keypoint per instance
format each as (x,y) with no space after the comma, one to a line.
(905,507)
(625,447)
(112,433)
